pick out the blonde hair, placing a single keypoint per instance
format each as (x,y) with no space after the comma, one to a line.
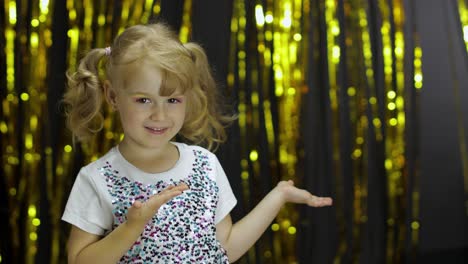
(183,66)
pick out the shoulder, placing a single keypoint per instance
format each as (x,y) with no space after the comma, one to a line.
(108,158)
(89,177)
(194,149)
(198,154)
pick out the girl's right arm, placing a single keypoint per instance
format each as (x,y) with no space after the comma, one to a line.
(84,247)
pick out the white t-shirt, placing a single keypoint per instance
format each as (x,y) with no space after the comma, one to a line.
(183,230)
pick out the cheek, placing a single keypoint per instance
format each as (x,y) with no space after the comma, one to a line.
(125,120)
(178,109)
(179,114)
(131,117)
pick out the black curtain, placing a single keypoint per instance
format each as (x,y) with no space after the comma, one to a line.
(434,118)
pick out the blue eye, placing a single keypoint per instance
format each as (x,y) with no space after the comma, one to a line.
(143,100)
(174,100)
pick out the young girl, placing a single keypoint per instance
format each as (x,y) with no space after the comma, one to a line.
(150,199)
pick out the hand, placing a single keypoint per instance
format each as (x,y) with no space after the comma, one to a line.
(142,212)
(292,194)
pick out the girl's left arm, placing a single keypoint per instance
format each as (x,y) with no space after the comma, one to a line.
(238,238)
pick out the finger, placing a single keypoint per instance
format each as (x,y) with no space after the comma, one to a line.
(181,187)
(157,200)
(137,204)
(135,209)
(303,196)
(316,201)
(168,188)
(166,196)
(173,188)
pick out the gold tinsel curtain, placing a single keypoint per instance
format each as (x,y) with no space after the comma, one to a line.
(325,92)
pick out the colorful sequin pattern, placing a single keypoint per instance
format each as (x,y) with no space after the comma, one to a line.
(183,230)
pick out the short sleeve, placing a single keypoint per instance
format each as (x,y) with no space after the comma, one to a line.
(227,199)
(86,209)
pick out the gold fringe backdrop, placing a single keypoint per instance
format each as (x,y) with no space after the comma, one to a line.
(273,47)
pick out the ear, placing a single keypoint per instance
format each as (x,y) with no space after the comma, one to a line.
(110,94)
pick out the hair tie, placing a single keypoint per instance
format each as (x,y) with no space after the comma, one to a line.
(108,51)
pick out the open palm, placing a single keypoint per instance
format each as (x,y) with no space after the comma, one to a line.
(142,212)
(293,194)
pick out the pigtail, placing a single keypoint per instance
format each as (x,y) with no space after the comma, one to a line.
(84,97)
(206,125)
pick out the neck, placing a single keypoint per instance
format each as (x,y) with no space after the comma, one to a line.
(151,160)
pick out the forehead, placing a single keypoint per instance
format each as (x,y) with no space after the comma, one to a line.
(144,77)
(140,77)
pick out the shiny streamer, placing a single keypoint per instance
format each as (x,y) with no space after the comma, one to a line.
(25,145)
(185,29)
(268,61)
(417,86)
(385,99)
(28,39)
(463,14)
(267,70)
(394,127)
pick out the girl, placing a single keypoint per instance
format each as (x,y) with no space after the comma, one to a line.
(150,199)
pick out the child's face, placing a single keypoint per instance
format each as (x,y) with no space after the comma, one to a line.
(148,119)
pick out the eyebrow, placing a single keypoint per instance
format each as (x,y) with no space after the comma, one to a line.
(177,94)
(139,94)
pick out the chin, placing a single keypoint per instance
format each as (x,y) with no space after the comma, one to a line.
(157,145)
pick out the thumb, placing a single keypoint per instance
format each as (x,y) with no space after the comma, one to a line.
(137,204)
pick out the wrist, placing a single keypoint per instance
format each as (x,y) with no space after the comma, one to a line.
(134,227)
(279,192)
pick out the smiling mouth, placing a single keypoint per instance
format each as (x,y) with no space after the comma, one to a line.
(156,130)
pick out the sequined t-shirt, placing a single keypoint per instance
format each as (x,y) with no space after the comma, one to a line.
(183,230)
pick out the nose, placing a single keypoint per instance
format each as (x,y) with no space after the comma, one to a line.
(158,112)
